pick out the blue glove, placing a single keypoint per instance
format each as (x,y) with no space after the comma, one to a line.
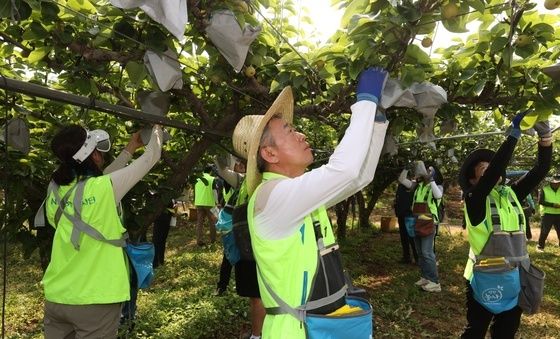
(515,130)
(370,84)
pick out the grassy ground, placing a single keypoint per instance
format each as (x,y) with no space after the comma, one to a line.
(180,302)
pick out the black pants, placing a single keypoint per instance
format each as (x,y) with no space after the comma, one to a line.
(528,212)
(549,220)
(159,237)
(504,325)
(407,243)
(225,273)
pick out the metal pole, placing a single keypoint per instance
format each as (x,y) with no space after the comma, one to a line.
(86,102)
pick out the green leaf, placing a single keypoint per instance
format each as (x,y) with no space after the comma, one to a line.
(22,10)
(38,54)
(411,74)
(123,28)
(498,44)
(136,72)
(479,5)
(427,24)
(82,6)
(35,31)
(274,86)
(82,85)
(49,11)
(415,55)
(356,6)
(409,12)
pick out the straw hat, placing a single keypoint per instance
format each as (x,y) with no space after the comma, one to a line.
(248,132)
(481,154)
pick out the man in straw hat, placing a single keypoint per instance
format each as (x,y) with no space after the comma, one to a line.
(549,199)
(287,202)
(496,224)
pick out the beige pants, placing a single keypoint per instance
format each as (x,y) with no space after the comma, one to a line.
(203,213)
(81,321)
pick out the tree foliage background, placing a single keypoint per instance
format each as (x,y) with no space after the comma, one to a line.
(93,49)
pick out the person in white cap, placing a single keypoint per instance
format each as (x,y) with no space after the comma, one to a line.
(287,208)
(549,199)
(87,279)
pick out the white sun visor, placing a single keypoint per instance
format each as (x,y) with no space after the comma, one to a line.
(96,139)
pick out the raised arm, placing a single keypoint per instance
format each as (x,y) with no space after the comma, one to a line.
(281,205)
(124,157)
(124,179)
(523,187)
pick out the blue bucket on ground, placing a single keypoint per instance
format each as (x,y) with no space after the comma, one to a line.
(355,326)
(409,223)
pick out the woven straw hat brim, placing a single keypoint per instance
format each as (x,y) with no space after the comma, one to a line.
(248,132)
(481,154)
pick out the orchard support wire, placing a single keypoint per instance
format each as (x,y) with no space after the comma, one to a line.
(35,90)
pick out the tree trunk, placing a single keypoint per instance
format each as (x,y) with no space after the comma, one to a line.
(341,209)
(363,213)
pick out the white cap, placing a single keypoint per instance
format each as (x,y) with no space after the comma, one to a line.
(96,139)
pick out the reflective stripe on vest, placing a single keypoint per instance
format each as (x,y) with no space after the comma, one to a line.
(553,197)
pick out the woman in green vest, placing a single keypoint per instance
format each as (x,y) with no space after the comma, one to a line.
(490,205)
(427,196)
(87,280)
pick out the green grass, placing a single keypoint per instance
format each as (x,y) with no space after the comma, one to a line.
(180,303)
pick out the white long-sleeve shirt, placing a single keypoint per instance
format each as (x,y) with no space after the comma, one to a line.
(437,190)
(281,205)
(125,177)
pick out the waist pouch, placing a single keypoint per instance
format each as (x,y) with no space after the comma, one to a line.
(420,208)
(224,223)
(241,232)
(141,256)
(230,248)
(532,285)
(409,223)
(424,228)
(329,279)
(357,325)
(496,288)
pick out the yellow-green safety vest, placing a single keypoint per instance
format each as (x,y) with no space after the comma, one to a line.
(97,273)
(423,194)
(203,194)
(288,265)
(552,197)
(503,207)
